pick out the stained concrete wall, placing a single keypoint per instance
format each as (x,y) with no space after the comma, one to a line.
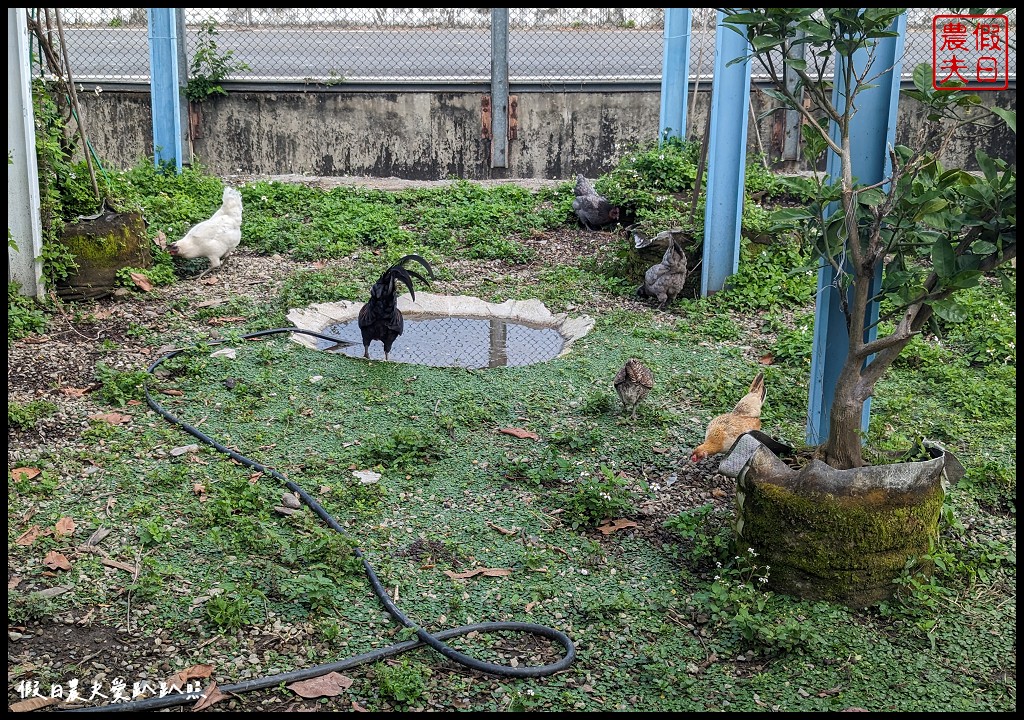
(437,135)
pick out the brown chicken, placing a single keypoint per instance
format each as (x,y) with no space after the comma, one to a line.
(726,429)
(632,383)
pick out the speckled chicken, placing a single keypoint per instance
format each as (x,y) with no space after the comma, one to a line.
(726,429)
(665,280)
(632,383)
(592,209)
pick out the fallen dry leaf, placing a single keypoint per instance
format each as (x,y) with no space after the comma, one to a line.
(209,281)
(520,433)
(142,281)
(193,672)
(64,526)
(490,572)
(160,239)
(55,561)
(356,707)
(119,565)
(33,703)
(616,525)
(328,685)
(24,473)
(29,536)
(13,582)
(225,320)
(211,695)
(97,537)
(52,592)
(113,418)
(74,392)
(176,393)
(767,359)
(503,531)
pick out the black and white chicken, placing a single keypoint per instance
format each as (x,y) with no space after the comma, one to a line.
(665,280)
(632,383)
(380,318)
(592,209)
(215,238)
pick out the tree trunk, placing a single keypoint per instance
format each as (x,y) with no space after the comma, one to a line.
(843,449)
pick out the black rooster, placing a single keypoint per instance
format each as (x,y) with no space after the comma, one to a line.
(380,318)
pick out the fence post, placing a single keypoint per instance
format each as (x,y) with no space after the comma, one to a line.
(727,159)
(499,87)
(167,77)
(24,265)
(675,73)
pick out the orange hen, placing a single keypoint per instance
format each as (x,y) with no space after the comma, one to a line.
(725,429)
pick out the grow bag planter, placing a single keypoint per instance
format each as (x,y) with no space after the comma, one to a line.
(102,244)
(838,535)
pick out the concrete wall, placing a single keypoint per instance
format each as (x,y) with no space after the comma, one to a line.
(436,135)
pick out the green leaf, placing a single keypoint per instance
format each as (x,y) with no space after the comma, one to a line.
(943,257)
(1008,116)
(950,310)
(963,279)
(761,43)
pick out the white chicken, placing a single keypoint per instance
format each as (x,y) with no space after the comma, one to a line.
(216,238)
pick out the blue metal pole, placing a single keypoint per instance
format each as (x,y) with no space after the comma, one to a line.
(165,90)
(872,131)
(727,159)
(675,73)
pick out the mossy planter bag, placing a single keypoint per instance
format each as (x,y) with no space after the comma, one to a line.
(102,245)
(837,535)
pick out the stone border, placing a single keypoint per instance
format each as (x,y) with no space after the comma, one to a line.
(316,318)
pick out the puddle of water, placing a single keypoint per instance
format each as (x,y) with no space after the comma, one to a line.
(456,342)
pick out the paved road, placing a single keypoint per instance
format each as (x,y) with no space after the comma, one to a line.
(420,55)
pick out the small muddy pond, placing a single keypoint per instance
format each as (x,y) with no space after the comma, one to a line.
(455,342)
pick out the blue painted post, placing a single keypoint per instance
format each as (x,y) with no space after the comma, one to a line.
(727,159)
(165,86)
(675,73)
(872,131)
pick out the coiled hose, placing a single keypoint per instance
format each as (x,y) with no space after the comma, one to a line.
(424,638)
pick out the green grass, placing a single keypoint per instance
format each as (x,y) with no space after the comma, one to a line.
(676,624)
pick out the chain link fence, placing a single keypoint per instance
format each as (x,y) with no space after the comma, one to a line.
(420,45)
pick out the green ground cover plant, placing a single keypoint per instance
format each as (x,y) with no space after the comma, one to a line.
(665,614)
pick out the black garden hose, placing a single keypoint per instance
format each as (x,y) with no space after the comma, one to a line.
(424,638)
